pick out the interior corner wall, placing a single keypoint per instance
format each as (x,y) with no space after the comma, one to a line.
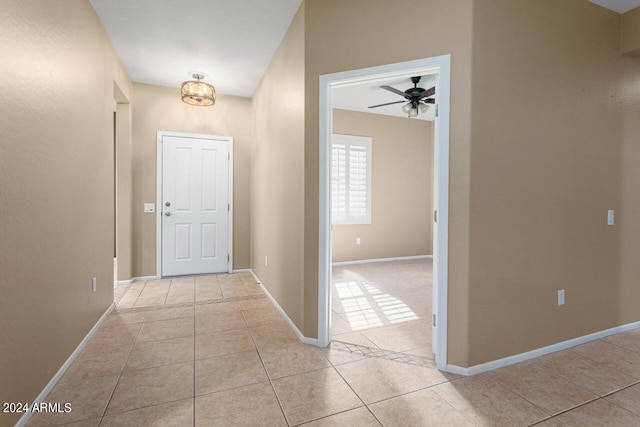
(548,116)
(630,41)
(159,108)
(57,179)
(341,36)
(401,185)
(629,297)
(124,192)
(277,182)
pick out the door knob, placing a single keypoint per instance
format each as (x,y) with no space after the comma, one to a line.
(167,204)
(167,214)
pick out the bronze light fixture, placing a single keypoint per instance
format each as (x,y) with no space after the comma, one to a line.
(197,92)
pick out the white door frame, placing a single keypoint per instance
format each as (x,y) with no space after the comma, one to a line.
(441,64)
(160,135)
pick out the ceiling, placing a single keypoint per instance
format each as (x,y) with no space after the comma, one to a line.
(620,6)
(163,42)
(359,97)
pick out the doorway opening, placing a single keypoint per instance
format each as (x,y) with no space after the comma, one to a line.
(440,68)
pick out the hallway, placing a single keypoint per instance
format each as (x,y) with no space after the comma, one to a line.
(213,350)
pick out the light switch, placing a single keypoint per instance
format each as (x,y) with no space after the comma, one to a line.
(610,217)
(149,207)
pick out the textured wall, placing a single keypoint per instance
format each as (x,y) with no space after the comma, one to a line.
(159,108)
(56,198)
(277,186)
(546,165)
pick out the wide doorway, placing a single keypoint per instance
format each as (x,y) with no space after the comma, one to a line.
(194,204)
(375,279)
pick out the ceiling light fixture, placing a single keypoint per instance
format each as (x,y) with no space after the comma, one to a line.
(411,108)
(196,92)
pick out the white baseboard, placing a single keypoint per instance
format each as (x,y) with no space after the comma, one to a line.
(367,261)
(137,279)
(43,395)
(244,270)
(301,337)
(142,278)
(500,363)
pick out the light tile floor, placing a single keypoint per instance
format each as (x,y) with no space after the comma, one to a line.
(384,305)
(223,356)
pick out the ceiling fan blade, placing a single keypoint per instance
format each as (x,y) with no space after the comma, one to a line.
(429,92)
(388,103)
(394,90)
(429,101)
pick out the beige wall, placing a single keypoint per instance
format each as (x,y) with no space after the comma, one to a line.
(57,200)
(161,109)
(541,118)
(402,188)
(277,185)
(631,32)
(548,121)
(124,191)
(629,295)
(347,35)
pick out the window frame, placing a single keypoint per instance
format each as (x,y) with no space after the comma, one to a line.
(352,141)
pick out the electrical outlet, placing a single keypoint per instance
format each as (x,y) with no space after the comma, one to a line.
(610,217)
(93,284)
(357,240)
(265,261)
(561,297)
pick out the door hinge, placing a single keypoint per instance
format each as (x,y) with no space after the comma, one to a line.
(437,110)
(228,257)
(435,216)
(434,320)
(228,156)
(229,206)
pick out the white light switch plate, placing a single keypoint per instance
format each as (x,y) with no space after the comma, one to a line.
(610,217)
(149,207)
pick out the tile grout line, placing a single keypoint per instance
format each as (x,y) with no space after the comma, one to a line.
(585,358)
(187,304)
(594,399)
(605,340)
(104,412)
(449,403)
(542,409)
(286,420)
(364,404)
(379,353)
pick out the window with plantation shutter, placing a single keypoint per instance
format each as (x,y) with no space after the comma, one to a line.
(350,179)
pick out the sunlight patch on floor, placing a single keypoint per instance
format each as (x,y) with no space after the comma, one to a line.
(364,305)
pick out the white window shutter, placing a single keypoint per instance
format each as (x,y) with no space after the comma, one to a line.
(350,179)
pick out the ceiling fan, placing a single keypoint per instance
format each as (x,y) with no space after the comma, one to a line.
(415,98)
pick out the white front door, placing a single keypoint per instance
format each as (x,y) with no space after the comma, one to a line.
(195,205)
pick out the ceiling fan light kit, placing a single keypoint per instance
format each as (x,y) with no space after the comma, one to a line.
(416,98)
(198,93)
